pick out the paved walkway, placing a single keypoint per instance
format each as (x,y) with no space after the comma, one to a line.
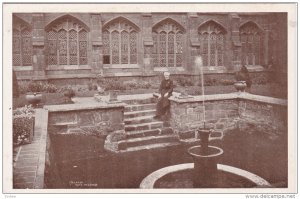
(29,159)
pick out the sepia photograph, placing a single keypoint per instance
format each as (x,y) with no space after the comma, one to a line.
(192,98)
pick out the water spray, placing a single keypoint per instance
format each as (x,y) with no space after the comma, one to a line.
(199,64)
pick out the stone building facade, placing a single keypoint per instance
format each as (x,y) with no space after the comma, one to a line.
(54,46)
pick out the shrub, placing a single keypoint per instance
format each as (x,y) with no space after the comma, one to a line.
(34,87)
(23,125)
(184,81)
(49,88)
(113,84)
(131,84)
(226,82)
(144,84)
(210,82)
(23,87)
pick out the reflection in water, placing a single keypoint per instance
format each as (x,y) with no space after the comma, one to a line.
(82,162)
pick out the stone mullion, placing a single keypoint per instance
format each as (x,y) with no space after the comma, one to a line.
(78,55)
(174,50)
(120,49)
(129,48)
(67,40)
(21,49)
(208,50)
(167,50)
(158,47)
(110,48)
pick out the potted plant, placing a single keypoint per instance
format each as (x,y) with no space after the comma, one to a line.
(242,79)
(69,93)
(34,95)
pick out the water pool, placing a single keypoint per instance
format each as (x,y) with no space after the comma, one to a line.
(81,162)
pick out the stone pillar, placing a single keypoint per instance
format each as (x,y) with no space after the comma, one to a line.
(147,43)
(96,41)
(193,41)
(38,43)
(236,51)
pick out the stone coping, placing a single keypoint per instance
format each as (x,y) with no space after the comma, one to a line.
(149,181)
(88,106)
(229,96)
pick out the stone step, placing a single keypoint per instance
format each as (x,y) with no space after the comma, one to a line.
(144,126)
(152,132)
(149,147)
(139,113)
(140,101)
(139,120)
(190,140)
(142,141)
(64,124)
(140,107)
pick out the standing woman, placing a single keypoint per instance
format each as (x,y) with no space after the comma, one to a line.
(165,90)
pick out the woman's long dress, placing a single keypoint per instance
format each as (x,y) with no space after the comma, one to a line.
(163,103)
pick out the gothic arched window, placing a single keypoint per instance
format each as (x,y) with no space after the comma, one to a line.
(67,43)
(22,45)
(168,44)
(120,39)
(251,39)
(212,40)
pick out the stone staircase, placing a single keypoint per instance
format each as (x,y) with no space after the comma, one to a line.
(143,132)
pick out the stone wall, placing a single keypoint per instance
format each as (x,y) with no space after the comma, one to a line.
(226,112)
(273,25)
(86,119)
(262,117)
(219,115)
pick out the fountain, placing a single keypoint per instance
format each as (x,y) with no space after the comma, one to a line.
(205,172)
(205,157)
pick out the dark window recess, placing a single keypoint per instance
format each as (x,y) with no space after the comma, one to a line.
(106,59)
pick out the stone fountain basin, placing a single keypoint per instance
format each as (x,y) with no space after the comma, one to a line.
(212,151)
(150,181)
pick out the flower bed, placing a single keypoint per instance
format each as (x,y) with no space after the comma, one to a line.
(23,125)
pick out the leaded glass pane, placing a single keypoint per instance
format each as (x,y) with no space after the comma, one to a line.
(124,47)
(178,60)
(115,48)
(171,40)
(62,47)
(17,48)
(22,45)
(251,44)
(52,47)
(26,49)
(106,43)
(162,43)
(155,52)
(120,43)
(163,60)
(73,48)
(133,47)
(179,49)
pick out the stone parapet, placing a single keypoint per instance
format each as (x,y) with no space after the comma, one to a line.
(225,112)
